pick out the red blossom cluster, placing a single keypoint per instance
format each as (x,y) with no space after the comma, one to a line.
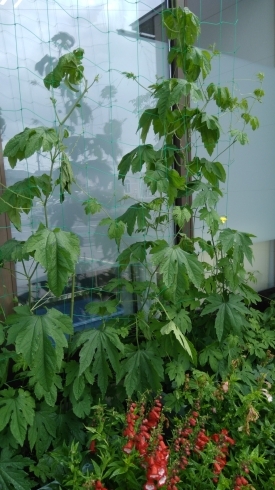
(99,486)
(188,440)
(184,444)
(146,438)
(143,434)
(92,447)
(240,482)
(223,442)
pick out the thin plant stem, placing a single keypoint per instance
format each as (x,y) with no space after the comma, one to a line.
(72,297)
(29,284)
(37,304)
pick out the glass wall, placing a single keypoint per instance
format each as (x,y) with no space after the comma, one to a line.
(243,31)
(117,36)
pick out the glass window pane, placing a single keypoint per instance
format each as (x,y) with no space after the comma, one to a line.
(117,36)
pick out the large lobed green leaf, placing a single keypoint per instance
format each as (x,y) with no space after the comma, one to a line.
(171,327)
(173,261)
(100,348)
(29,141)
(230,313)
(163,180)
(168,94)
(12,251)
(177,368)
(16,411)
(58,252)
(18,198)
(92,206)
(181,22)
(142,369)
(209,129)
(222,97)
(148,117)
(136,253)
(136,215)
(135,159)
(240,243)
(12,474)
(116,229)
(69,69)
(43,429)
(33,336)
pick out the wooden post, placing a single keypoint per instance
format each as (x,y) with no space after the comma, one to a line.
(7,277)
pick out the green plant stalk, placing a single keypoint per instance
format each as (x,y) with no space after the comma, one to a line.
(86,89)
(38,304)
(72,297)
(29,284)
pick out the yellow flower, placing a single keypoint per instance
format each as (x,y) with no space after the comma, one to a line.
(223,219)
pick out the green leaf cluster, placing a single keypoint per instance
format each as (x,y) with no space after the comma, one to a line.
(100,349)
(58,252)
(31,140)
(18,198)
(68,69)
(41,340)
(190,298)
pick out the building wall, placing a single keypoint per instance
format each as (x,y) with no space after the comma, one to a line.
(243,30)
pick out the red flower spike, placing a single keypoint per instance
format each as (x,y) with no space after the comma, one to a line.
(128,446)
(149,485)
(92,446)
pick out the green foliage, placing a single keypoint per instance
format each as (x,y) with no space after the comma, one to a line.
(240,243)
(177,368)
(58,252)
(116,229)
(102,307)
(33,337)
(136,215)
(188,312)
(222,96)
(209,129)
(17,411)
(68,69)
(100,347)
(136,253)
(135,160)
(13,251)
(230,313)
(66,178)
(31,140)
(142,367)
(12,474)
(18,198)
(239,136)
(92,206)
(172,327)
(42,432)
(181,215)
(174,261)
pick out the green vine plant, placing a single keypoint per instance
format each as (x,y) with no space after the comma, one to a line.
(188,312)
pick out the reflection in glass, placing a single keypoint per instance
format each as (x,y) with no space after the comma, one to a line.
(117,36)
